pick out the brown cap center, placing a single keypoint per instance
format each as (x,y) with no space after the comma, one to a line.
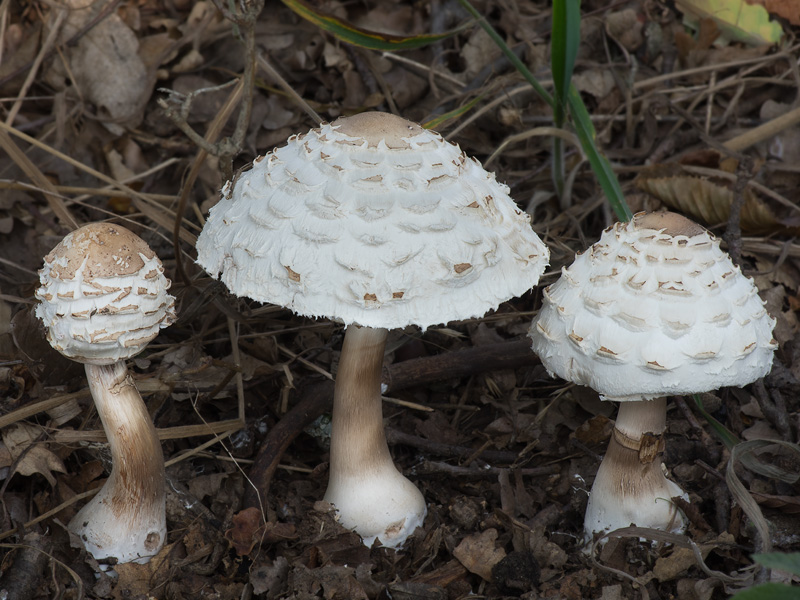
(109,251)
(376,126)
(672,223)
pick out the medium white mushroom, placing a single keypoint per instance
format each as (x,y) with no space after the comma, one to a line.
(655,308)
(103,297)
(377,223)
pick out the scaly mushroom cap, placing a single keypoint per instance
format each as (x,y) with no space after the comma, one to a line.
(372,220)
(654,308)
(103,295)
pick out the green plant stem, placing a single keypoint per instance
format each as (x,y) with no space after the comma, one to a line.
(558,171)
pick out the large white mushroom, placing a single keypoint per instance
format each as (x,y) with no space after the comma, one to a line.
(655,308)
(103,297)
(377,223)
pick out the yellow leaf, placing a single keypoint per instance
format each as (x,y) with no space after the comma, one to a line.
(736,19)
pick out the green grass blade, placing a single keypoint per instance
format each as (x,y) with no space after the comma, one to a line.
(564,40)
(452,114)
(783,561)
(723,433)
(602,168)
(769,591)
(347,32)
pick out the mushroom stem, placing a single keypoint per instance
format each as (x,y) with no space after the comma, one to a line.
(370,494)
(127,518)
(630,486)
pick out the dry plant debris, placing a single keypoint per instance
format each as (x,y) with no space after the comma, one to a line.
(503,454)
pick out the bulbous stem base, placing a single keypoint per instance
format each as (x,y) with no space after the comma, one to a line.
(371,496)
(127,517)
(630,487)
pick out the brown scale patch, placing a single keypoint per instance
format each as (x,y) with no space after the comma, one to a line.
(473,204)
(438,179)
(114,310)
(293,275)
(461,267)
(370,297)
(635,284)
(397,295)
(648,448)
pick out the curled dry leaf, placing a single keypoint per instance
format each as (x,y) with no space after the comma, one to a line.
(709,200)
(249,530)
(786,504)
(136,580)
(787,9)
(479,554)
(23,438)
(104,65)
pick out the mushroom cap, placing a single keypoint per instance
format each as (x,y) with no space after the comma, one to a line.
(103,295)
(372,220)
(652,309)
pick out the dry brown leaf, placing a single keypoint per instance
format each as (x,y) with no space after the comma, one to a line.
(479,554)
(626,27)
(335,582)
(23,438)
(709,201)
(596,430)
(786,504)
(105,67)
(268,576)
(681,559)
(137,580)
(249,530)
(597,82)
(787,9)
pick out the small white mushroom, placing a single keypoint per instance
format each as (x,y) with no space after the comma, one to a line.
(379,224)
(103,296)
(655,308)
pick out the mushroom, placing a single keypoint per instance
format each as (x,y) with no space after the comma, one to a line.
(379,224)
(103,297)
(655,308)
